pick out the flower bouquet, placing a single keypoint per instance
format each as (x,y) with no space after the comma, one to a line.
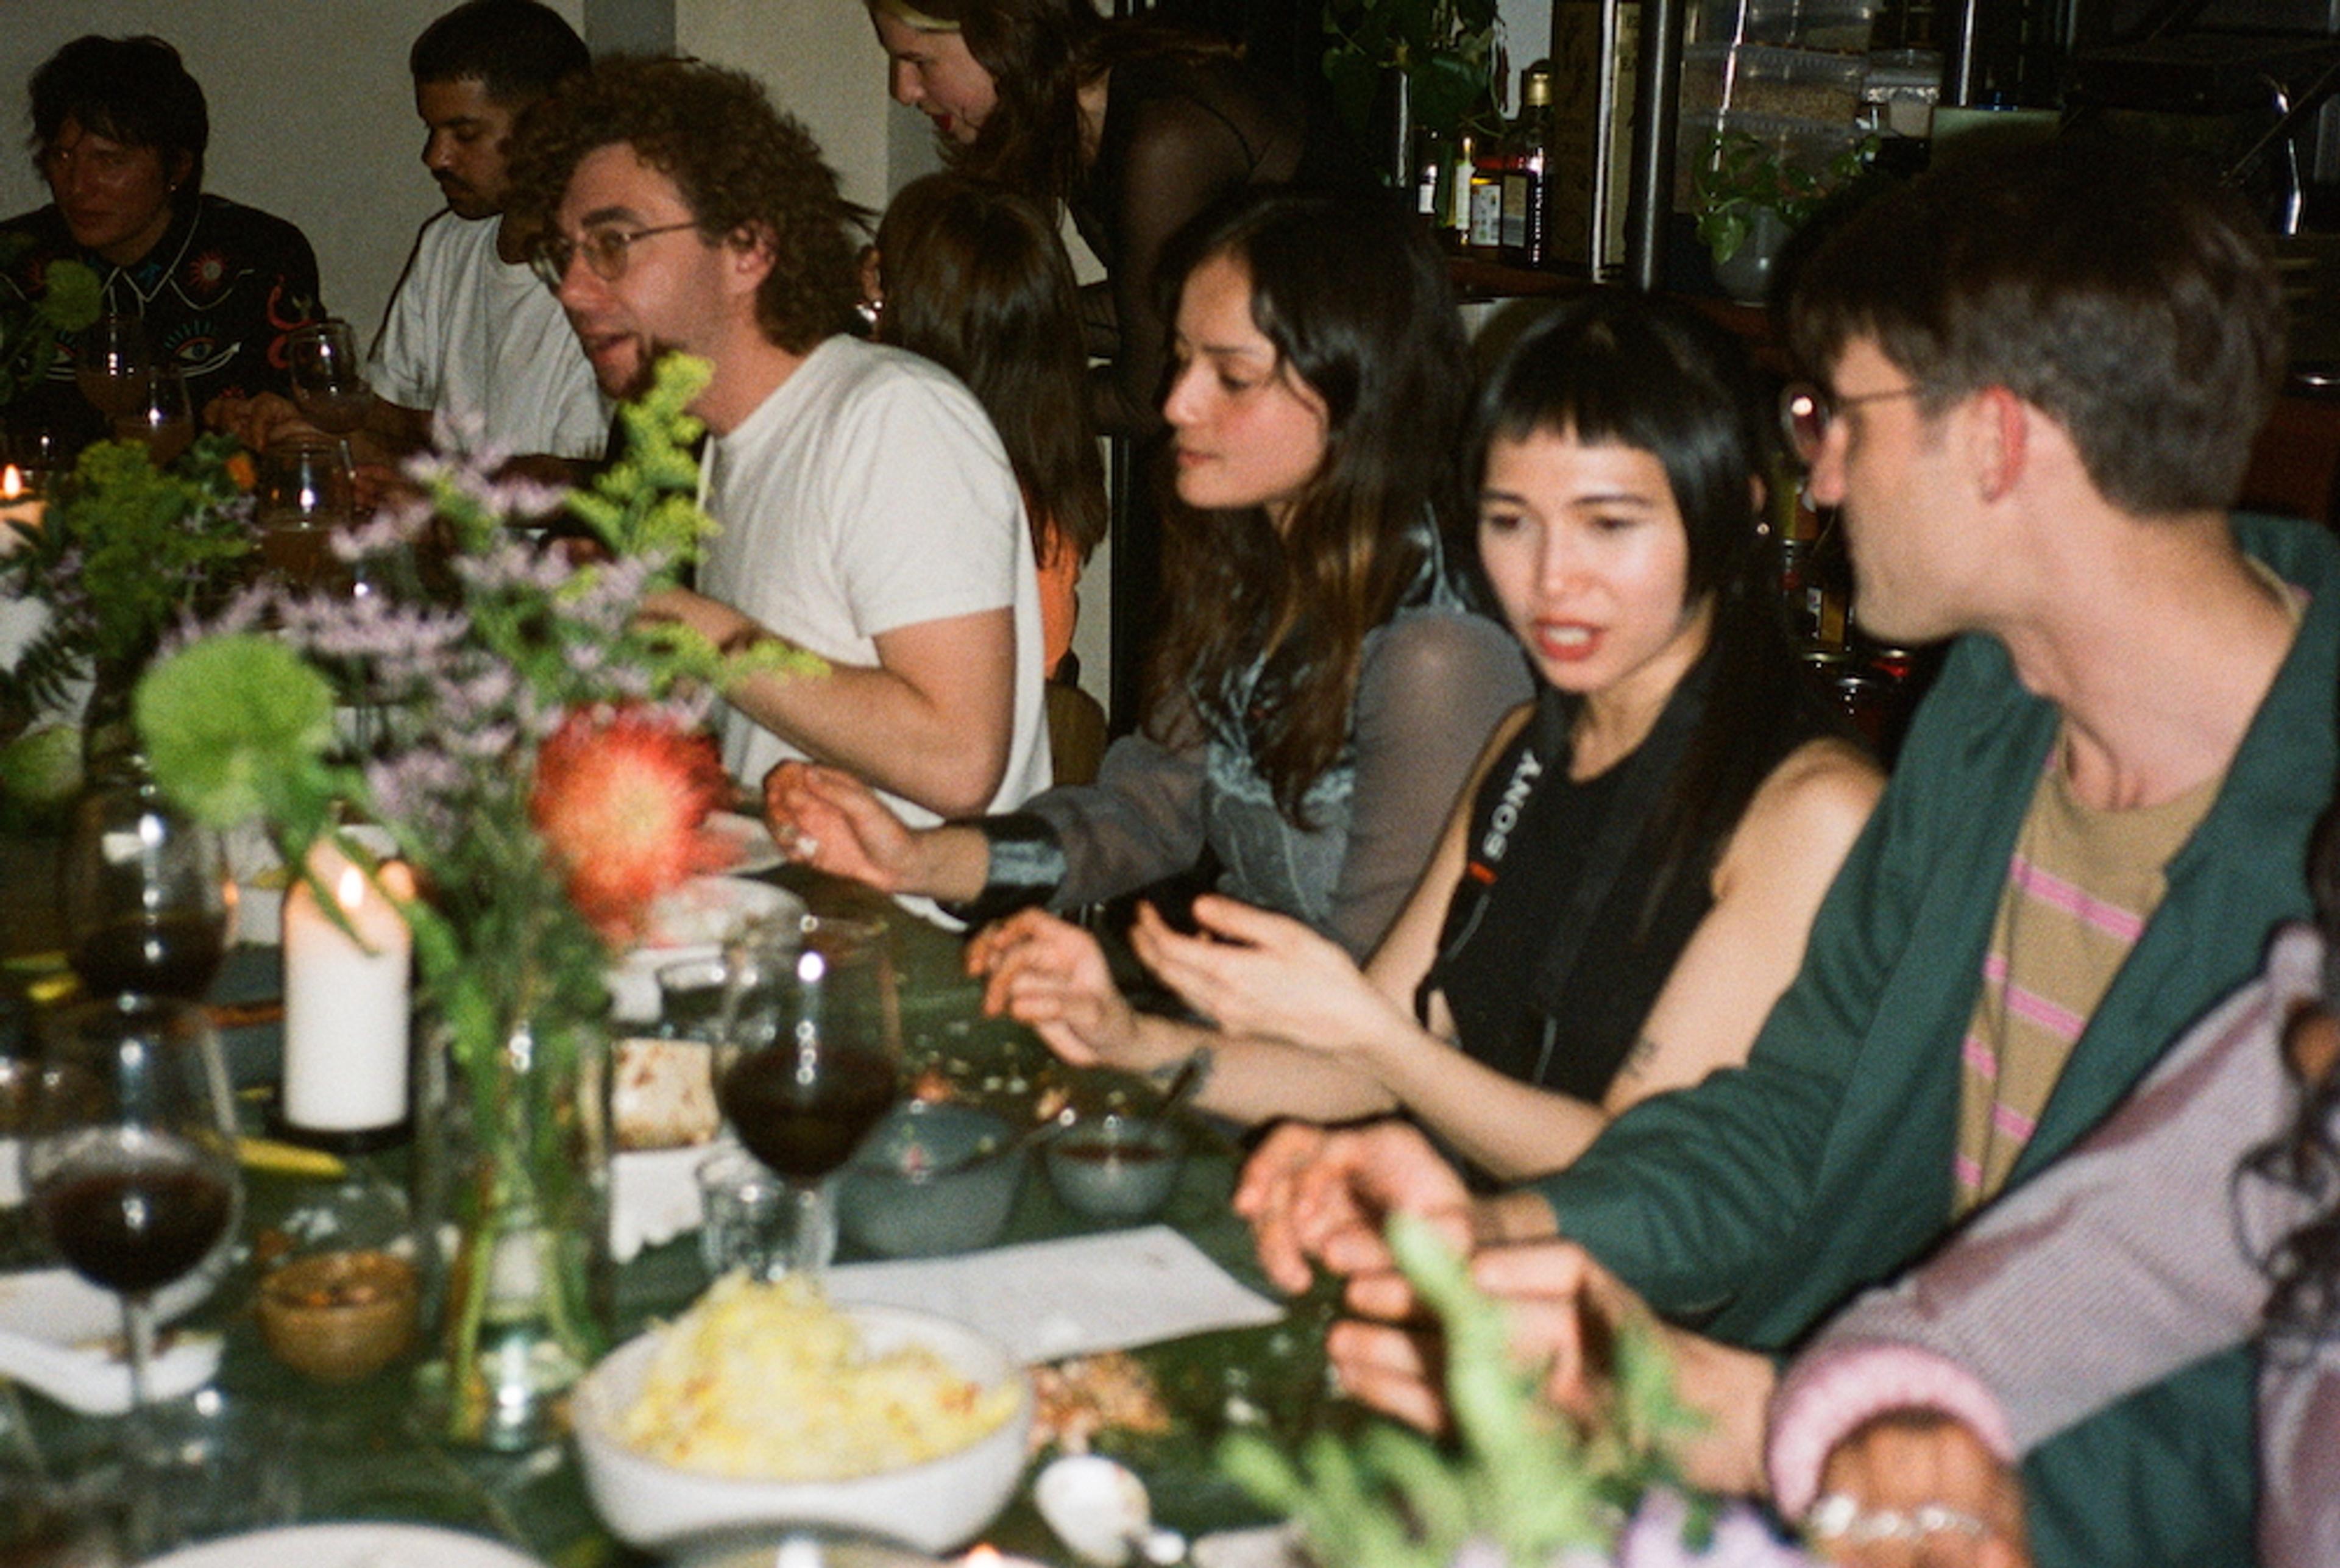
(1519,1487)
(534,751)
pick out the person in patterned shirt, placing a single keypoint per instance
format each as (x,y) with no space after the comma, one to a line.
(119,130)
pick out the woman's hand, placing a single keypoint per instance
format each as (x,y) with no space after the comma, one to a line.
(1317,1195)
(1258,973)
(826,818)
(1052,975)
(1916,1489)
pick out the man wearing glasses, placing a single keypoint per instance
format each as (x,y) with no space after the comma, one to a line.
(867,509)
(2042,378)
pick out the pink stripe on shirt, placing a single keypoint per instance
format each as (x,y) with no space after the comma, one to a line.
(2059,894)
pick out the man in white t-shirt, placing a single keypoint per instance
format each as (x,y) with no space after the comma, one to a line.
(474,354)
(471,336)
(868,511)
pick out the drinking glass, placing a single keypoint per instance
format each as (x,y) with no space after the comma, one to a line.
(145,894)
(129,1161)
(807,1056)
(160,415)
(111,364)
(328,378)
(307,489)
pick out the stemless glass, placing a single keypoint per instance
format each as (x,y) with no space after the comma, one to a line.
(129,1161)
(160,415)
(808,1056)
(111,365)
(145,894)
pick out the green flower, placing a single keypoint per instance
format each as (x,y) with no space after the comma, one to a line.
(72,295)
(237,726)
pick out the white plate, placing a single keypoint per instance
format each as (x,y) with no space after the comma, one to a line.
(693,921)
(704,912)
(347,1546)
(56,1330)
(747,837)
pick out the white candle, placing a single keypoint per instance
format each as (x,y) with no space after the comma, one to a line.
(346,1002)
(21,508)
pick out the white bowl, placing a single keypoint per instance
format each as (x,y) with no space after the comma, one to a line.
(933,1506)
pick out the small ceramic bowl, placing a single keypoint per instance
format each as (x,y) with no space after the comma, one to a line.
(338,1316)
(932,1178)
(1117,1167)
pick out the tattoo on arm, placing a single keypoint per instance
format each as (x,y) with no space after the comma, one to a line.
(1637,1060)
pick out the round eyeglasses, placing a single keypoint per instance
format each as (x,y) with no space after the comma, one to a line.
(1806,410)
(606,251)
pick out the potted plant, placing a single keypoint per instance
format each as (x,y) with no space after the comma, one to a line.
(1750,194)
(1402,65)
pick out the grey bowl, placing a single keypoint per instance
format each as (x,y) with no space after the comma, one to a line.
(1117,1167)
(932,1178)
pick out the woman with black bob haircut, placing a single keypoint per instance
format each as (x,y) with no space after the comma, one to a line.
(1625,889)
(1321,686)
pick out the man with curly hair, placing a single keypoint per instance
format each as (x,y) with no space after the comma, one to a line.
(867,509)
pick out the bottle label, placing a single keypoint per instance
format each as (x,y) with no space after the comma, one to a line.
(1486,213)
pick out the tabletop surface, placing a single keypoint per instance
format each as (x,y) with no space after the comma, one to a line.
(363,1451)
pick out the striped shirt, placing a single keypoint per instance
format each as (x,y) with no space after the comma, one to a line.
(2080,886)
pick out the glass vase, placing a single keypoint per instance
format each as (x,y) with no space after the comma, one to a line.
(528,1280)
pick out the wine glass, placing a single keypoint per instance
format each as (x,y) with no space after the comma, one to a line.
(328,378)
(111,364)
(160,414)
(306,491)
(145,895)
(807,1056)
(129,1165)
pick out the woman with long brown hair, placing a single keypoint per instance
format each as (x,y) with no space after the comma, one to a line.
(1321,687)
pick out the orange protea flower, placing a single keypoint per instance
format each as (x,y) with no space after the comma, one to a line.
(620,796)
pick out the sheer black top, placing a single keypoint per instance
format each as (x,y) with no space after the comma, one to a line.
(1179,133)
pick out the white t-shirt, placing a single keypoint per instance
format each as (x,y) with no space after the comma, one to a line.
(470,336)
(869,492)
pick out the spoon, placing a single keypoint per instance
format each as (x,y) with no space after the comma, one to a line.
(1100,1511)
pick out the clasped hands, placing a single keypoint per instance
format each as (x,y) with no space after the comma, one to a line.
(1906,1492)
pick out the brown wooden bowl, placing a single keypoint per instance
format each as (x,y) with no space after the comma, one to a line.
(338,1316)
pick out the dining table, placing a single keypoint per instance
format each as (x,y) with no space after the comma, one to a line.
(368,1450)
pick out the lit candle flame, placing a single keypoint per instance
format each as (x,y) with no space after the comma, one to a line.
(352,891)
(12,482)
(982,1554)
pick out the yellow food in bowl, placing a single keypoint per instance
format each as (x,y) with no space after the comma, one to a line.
(771,1383)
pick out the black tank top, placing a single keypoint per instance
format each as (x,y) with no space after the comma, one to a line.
(1513,908)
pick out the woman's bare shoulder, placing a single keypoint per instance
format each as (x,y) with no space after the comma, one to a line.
(1814,802)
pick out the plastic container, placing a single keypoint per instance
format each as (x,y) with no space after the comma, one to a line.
(1779,84)
(1841,26)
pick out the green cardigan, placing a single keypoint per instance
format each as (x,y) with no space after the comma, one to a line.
(1754,1204)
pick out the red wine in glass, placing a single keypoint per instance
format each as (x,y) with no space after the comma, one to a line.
(805,1119)
(170,956)
(807,1051)
(146,894)
(132,1214)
